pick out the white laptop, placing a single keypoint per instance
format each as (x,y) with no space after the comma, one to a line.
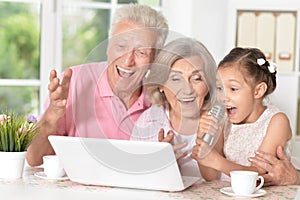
(120,163)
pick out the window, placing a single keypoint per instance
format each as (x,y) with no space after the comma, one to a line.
(37,36)
(84,26)
(19,56)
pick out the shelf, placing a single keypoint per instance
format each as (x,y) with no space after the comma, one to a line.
(287,93)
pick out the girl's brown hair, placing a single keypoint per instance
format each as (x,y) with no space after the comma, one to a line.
(247,60)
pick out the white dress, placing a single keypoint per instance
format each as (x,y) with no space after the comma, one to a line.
(243,140)
(147,127)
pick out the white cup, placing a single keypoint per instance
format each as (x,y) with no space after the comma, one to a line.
(244,182)
(53,167)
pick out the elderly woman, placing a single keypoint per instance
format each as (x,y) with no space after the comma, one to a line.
(181,86)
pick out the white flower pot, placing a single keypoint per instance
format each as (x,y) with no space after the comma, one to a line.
(12,164)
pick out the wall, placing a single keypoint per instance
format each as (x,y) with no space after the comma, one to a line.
(201,19)
(287,92)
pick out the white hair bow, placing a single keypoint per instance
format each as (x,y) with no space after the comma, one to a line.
(272,66)
(261,61)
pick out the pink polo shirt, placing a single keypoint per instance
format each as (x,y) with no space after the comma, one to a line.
(92,108)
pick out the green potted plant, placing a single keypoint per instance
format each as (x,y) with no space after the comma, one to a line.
(16,134)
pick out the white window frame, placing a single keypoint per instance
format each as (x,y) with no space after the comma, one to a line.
(51,38)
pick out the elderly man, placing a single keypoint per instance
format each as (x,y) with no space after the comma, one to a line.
(280,170)
(104,100)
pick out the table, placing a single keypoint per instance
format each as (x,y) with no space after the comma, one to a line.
(32,187)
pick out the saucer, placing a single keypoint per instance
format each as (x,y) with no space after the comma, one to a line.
(42,175)
(228,191)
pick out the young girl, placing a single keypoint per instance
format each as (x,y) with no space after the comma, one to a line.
(245,78)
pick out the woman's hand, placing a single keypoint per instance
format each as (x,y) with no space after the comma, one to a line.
(169,138)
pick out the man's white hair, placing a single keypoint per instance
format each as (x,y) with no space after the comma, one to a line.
(144,16)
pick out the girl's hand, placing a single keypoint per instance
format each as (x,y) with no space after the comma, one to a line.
(207,125)
(169,138)
(204,154)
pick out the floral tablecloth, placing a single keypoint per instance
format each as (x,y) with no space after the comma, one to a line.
(200,190)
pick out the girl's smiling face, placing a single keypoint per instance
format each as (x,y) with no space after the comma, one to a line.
(238,95)
(186,87)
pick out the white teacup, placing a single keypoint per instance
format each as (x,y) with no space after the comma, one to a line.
(53,167)
(244,182)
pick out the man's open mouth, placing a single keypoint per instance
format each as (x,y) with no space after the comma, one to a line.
(124,73)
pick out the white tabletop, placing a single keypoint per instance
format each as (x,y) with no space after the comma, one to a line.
(31,187)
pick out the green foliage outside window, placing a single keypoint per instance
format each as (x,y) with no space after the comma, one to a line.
(19,54)
(82,32)
(19,39)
